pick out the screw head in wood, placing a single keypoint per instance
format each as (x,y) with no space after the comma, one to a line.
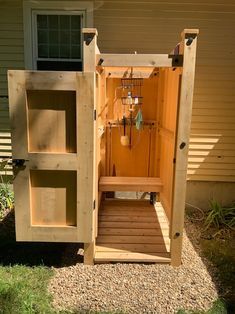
(182,145)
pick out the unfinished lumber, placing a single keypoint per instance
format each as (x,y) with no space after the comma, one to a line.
(141,184)
(188,48)
(135,60)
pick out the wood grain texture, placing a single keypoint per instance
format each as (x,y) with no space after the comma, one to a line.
(124,237)
(131,257)
(53,197)
(51,121)
(125,161)
(168,108)
(48,187)
(141,184)
(135,60)
(90,181)
(182,137)
(89,50)
(89,251)
(86,157)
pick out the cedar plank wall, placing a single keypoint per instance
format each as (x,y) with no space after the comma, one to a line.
(154,27)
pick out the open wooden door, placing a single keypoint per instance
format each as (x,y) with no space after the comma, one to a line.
(52,120)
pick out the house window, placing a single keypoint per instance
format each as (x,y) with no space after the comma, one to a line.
(53,34)
(57,41)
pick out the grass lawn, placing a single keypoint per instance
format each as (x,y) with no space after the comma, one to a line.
(24,289)
(219,307)
(25,270)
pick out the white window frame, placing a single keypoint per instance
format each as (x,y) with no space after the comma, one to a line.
(31,8)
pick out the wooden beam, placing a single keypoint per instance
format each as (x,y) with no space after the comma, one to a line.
(189,31)
(89,253)
(18,114)
(101,257)
(188,48)
(135,60)
(50,161)
(54,80)
(35,80)
(52,234)
(142,184)
(89,49)
(85,144)
(125,72)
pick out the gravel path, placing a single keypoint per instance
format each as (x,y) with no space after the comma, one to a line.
(136,288)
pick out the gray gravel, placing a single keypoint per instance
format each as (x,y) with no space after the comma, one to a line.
(136,288)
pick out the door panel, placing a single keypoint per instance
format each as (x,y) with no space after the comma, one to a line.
(52,119)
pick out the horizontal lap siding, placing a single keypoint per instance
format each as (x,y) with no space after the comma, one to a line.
(154,27)
(11,57)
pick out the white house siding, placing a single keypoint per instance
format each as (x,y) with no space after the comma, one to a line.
(154,27)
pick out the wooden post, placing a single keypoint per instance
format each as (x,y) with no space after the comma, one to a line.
(89,65)
(89,252)
(188,48)
(89,49)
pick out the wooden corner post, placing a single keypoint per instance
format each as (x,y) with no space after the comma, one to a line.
(89,49)
(188,49)
(89,65)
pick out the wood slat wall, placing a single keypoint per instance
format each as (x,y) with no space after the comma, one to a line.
(154,27)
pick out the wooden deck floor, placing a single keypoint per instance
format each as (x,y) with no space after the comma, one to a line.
(132,231)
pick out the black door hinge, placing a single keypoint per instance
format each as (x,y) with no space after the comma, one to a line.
(94,203)
(19,162)
(95,115)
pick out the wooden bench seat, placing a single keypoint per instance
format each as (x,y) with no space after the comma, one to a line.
(138,184)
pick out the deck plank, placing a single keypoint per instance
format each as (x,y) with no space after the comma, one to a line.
(128,218)
(132,231)
(130,239)
(129,231)
(134,247)
(131,224)
(130,257)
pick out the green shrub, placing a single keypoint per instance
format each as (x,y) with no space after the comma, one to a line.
(219,216)
(6,193)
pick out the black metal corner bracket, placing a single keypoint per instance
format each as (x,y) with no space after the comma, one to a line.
(189,41)
(88,37)
(190,38)
(177,60)
(100,61)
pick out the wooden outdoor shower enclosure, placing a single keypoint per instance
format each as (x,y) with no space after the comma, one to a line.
(78,138)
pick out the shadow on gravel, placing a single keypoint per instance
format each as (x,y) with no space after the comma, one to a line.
(34,253)
(218,257)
